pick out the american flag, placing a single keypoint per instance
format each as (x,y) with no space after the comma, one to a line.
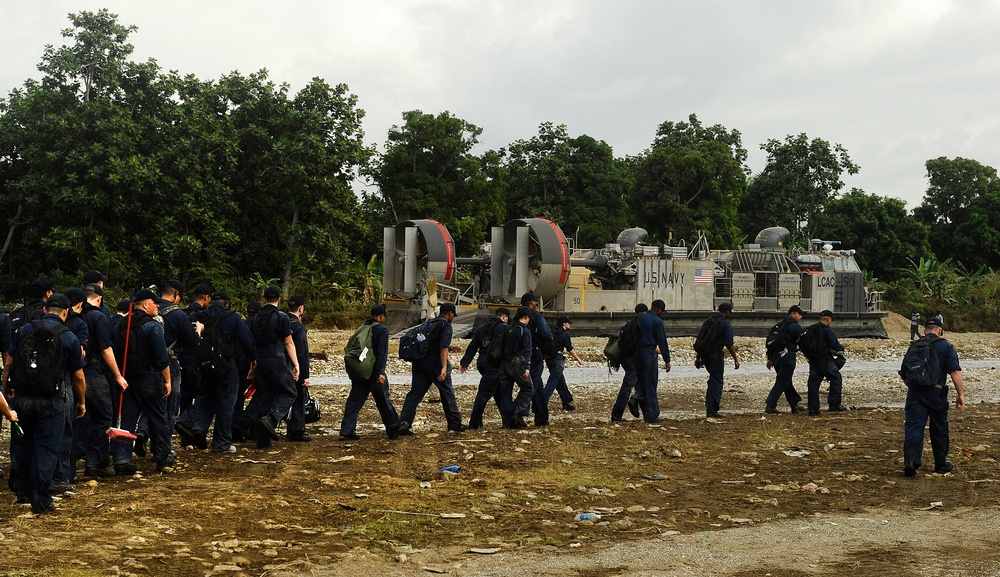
(704,275)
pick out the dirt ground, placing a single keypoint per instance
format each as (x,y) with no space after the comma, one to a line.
(783,495)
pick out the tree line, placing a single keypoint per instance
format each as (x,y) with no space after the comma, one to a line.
(147,174)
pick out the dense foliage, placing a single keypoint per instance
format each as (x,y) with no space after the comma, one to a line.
(117,165)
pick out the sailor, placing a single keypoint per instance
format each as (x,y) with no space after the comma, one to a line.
(783,363)
(489,380)
(296,423)
(557,364)
(35,454)
(434,369)
(149,385)
(825,367)
(652,337)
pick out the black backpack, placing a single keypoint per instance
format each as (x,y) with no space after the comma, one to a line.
(708,340)
(812,344)
(416,342)
(212,353)
(512,341)
(24,314)
(497,350)
(486,338)
(138,358)
(777,337)
(628,335)
(312,411)
(547,346)
(261,324)
(93,355)
(921,365)
(38,369)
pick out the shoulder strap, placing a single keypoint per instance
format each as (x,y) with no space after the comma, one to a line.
(225,313)
(56,330)
(168,309)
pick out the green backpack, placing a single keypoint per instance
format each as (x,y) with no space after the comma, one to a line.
(359,356)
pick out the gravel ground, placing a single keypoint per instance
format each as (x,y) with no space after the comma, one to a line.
(919,542)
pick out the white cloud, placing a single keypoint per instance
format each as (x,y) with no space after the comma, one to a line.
(896,82)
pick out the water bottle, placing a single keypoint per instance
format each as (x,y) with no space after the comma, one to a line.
(452,469)
(588,517)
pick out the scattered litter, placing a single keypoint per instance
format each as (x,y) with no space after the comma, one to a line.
(433,569)
(425,484)
(676,454)
(829,446)
(451,469)
(361,496)
(489,551)
(342,459)
(452,515)
(933,505)
(574,545)
(797,453)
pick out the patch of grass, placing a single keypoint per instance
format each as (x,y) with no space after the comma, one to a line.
(770,436)
(396,527)
(569,477)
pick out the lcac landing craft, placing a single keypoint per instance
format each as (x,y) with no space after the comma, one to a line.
(598,288)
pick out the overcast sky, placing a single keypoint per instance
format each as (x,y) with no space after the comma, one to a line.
(895,82)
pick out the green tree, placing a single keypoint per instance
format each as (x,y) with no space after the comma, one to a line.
(800,177)
(111,164)
(575,182)
(196,151)
(962,209)
(880,229)
(72,143)
(428,171)
(297,158)
(693,178)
